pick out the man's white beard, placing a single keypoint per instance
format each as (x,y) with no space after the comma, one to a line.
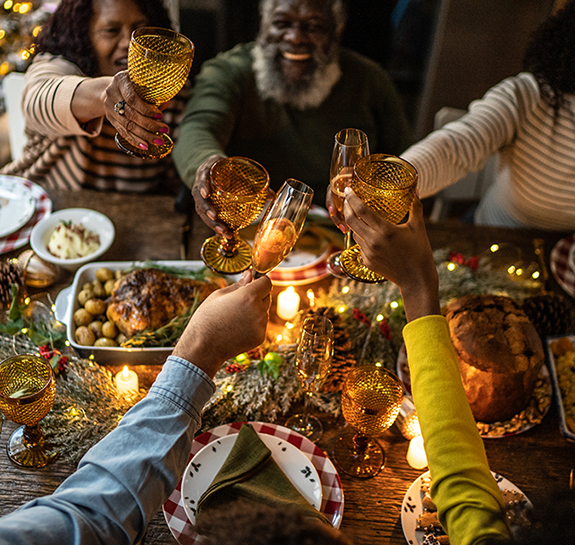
(309,93)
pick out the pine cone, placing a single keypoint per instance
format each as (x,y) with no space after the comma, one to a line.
(9,274)
(343,360)
(550,313)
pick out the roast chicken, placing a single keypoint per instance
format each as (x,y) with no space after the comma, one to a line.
(150,298)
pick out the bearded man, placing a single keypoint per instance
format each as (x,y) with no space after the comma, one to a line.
(281,100)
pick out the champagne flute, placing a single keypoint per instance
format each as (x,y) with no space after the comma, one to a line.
(159,62)
(281,226)
(371,400)
(313,363)
(27,392)
(350,145)
(238,192)
(387,184)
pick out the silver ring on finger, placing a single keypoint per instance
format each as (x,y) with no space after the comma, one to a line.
(119,107)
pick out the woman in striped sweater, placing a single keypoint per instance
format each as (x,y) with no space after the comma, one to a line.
(72,85)
(530,120)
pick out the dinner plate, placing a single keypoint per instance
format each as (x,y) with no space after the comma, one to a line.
(562,263)
(332,491)
(208,461)
(17,204)
(538,405)
(412,506)
(21,236)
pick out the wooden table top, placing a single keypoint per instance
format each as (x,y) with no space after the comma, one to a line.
(537,461)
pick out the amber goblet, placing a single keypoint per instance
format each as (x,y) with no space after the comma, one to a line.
(238,192)
(27,391)
(159,62)
(370,402)
(387,184)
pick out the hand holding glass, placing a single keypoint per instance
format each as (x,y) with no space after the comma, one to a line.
(314,354)
(350,145)
(281,226)
(159,62)
(387,184)
(238,192)
(27,392)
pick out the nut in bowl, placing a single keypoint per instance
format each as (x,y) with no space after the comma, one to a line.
(72,237)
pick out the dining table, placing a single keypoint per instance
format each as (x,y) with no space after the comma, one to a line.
(147,227)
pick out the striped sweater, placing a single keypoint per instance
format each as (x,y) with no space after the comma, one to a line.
(535,181)
(61,153)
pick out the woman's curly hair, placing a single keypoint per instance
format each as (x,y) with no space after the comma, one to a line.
(67,32)
(550,55)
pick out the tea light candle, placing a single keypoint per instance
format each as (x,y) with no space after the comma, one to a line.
(288,303)
(416,456)
(127,381)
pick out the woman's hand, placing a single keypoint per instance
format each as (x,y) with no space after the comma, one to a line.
(401,253)
(138,122)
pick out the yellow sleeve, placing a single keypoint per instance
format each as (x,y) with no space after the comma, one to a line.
(469,502)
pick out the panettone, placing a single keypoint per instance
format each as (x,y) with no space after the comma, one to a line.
(500,354)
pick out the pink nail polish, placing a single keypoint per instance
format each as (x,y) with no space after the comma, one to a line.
(143,146)
(164,130)
(158,141)
(330,210)
(158,116)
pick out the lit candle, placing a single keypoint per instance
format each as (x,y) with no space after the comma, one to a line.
(288,303)
(127,381)
(416,456)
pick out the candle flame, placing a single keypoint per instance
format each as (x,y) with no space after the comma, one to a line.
(125,372)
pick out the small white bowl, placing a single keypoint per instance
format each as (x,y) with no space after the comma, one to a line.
(90,219)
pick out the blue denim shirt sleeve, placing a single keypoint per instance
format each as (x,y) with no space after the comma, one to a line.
(123,480)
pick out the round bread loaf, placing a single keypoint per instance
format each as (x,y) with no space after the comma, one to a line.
(500,354)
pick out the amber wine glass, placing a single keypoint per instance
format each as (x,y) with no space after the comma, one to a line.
(27,391)
(238,192)
(281,226)
(159,63)
(370,402)
(387,184)
(350,145)
(314,353)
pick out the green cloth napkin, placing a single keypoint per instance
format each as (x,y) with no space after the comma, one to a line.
(250,473)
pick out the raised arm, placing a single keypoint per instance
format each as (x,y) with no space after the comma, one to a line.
(469,502)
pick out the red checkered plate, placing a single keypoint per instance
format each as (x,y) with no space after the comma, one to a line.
(562,264)
(21,236)
(332,491)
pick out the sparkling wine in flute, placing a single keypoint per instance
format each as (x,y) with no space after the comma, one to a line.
(281,226)
(272,244)
(338,185)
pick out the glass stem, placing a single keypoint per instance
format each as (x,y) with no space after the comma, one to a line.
(307,395)
(228,246)
(360,445)
(347,240)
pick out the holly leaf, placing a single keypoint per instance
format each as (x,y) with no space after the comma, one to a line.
(270,365)
(12,327)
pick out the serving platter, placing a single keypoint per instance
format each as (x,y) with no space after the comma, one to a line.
(67,303)
(566,430)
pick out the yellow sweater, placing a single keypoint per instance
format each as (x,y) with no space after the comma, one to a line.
(469,502)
